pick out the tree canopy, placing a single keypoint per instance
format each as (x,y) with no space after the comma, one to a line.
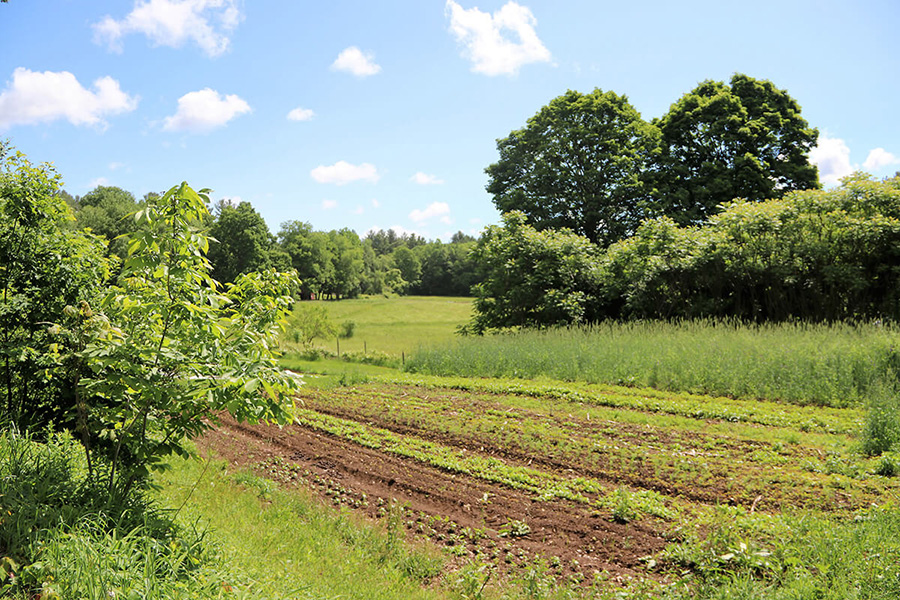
(721,142)
(577,165)
(242,243)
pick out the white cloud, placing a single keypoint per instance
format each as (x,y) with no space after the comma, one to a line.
(301,114)
(341,173)
(329,204)
(354,61)
(435,209)
(482,37)
(97,182)
(205,110)
(878,159)
(114,166)
(447,220)
(425,179)
(171,23)
(359,210)
(33,97)
(832,156)
(375,203)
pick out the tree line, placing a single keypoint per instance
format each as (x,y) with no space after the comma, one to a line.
(330,264)
(712,210)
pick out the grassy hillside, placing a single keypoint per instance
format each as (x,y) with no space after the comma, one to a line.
(396,325)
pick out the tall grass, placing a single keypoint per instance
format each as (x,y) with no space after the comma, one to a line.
(831,365)
(62,536)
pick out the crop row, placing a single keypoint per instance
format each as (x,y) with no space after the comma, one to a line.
(544,485)
(761,412)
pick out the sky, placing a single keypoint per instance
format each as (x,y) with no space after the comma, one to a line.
(385,114)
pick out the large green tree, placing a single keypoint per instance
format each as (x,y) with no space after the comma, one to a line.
(105,211)
(243,243)
(577,164)
(721,142)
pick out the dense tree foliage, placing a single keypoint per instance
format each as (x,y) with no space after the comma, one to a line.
(721,142)
(137,365)
(533,277)
(45,265)
(589,163)
(337,264)
(815,255)
(577,165)
(105,211)
(242,243)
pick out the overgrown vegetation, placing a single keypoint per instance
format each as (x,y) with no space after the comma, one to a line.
(63,536)
(829,365)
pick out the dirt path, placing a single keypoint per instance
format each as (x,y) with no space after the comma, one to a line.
(470,515)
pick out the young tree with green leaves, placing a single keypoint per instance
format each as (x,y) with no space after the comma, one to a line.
(162,352)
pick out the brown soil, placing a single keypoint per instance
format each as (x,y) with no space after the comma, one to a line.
(472,516)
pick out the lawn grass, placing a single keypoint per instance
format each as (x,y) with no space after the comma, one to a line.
(398,325)
(286,544)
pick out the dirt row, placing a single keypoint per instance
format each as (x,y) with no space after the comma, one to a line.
(473,517)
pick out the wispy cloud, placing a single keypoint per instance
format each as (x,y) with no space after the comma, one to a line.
(342,173)
(207,23)
(301,114)
(425,179)
(205,110)
(486,46)
(34,97)
(329,204)
(435,209)
(352,60)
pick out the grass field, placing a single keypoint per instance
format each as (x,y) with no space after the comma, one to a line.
(396,325)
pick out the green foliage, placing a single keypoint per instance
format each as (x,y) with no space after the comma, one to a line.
(105,211)
(346,330)
(815,255)
(808,557)
(881,431)
(577,165)
(309,322)
(63,536)
(166,349)
(44,266)
(241,243)
(533,278)
(836,365)
(722,142)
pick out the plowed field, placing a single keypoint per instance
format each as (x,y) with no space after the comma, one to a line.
(589,479)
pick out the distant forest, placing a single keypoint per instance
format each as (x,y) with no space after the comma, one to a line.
(331,264)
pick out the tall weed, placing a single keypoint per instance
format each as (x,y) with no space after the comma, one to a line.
(830,365)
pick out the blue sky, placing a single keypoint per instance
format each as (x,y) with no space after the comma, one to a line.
(385,114)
